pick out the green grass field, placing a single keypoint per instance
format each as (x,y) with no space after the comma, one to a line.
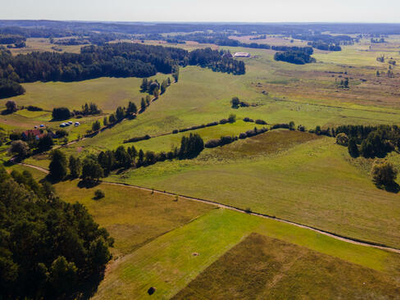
(310,181)
(172,261)
(264,268)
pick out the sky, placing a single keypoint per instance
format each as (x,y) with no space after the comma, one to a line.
(369,11)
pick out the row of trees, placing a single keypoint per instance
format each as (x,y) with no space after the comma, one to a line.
(93,167)
(49,249)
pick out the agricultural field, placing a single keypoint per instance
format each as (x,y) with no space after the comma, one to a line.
(285,214)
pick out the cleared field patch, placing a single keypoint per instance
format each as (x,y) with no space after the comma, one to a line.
(264,268)
(271,142)
(133,217)
(107,93)
(42,45)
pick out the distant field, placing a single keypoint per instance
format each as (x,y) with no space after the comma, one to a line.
(293,176)
(43,44)
(264,268)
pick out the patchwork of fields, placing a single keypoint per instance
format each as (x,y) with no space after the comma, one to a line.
(191,250)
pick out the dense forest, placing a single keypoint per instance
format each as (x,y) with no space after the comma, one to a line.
(48,249)
(299,56)
(110,60)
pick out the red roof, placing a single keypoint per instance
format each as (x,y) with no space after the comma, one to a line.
(35,133)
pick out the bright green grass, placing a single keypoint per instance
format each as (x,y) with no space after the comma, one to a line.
(169,263)
(168,142)
(314,183)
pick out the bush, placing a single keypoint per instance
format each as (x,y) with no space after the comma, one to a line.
(342,139)
(248,120)
(20,148)
(261,122)
(384,173)
(212,143)
(223,121)
(98,194)
(282,125)
(137,139)
(232,118)
(175,131)
(34,108)
(212,124)
(242,136)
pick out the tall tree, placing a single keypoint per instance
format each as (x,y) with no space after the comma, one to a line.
(58,165)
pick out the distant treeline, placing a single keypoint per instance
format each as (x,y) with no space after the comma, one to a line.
(111,60)
(11,39)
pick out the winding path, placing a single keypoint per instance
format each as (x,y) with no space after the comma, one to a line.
(225,206)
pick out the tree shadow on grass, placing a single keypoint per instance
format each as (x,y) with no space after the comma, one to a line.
(391,188)
(85,184)
(89,288)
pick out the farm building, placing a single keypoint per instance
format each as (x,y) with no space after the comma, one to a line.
(36,133)
(242,54)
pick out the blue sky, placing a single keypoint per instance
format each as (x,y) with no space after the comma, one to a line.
(387,11)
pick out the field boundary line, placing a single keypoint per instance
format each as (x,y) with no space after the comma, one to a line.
(336,236)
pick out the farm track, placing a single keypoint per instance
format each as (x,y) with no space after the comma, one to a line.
(265,216)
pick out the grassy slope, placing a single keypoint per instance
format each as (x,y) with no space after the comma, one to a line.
(264,268)
(314,182)
(170,262)
(133,217)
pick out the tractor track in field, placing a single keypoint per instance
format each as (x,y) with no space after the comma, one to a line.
(265,216)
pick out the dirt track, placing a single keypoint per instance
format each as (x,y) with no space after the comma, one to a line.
(220,205)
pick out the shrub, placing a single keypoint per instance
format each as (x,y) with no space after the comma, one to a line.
(175,131)
(212,143)
(242,136)
(20,148)
(301,128)
(223,121)
(232,118)
(261,122)
(384,173)
(98,194)
(248,120)
(212,124)
(137,139)
(282,125)
(342,139)
(34,108)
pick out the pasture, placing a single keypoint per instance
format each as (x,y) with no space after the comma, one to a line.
(294,176)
